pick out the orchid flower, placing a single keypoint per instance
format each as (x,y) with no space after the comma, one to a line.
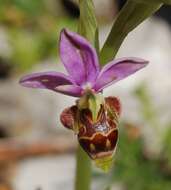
(93,118)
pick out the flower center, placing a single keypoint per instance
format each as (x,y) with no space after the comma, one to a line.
(87,88)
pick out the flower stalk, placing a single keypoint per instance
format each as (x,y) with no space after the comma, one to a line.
(87,25)
(83,171)
(88,28)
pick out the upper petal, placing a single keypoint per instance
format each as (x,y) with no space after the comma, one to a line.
(51,80)
(79,57)
(117,70)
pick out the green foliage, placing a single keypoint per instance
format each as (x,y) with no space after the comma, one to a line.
(25,49)
(131,15)
(87,23)
(29,48)
(108,188)
(167,145)
(147,108)
(32,30)
(167,2)
(134,167)
(30,7)
(134,170)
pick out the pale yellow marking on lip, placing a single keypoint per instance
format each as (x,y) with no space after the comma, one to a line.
(92,137)
(92,147)
(108,144)
(62,87)
(45,80)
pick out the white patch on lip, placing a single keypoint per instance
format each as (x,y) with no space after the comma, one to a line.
(87,86)
(45,80)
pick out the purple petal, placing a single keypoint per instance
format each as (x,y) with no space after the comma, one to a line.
(51,80)
(71,90)
(79,57)
(118,70)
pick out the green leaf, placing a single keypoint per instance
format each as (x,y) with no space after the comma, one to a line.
(167,2)
(147,108)
(108,188)
(88,25)
(132,14)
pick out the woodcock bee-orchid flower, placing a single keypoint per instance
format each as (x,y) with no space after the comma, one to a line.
(93,118)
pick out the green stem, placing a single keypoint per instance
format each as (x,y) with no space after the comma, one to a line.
(83,171)
(88,28)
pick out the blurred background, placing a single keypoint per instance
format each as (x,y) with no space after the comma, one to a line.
(36,152)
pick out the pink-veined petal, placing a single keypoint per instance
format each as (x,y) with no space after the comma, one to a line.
(53,81)
(79,57)
(117,70)
(71,90)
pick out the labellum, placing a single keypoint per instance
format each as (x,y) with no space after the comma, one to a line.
(95,126)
